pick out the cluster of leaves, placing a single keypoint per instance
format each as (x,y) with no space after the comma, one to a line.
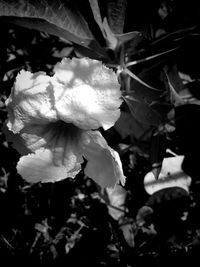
(154,49)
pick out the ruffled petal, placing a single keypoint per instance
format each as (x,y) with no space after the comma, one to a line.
(86,93)
(31,101)
(40,167)
(104,165)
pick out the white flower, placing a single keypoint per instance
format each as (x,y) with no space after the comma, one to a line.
(53,122)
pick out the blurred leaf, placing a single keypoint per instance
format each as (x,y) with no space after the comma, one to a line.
(58,18)
(116,15)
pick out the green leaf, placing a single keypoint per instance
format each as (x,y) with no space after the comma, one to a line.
(58,18)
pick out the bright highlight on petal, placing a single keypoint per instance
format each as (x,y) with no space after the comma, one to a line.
(90,98)
(51,122)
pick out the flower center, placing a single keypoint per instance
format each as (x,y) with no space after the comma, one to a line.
(61,129)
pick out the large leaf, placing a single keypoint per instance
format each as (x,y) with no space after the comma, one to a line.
(59,18)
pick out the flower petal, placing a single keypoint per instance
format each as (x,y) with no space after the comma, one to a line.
(87,93)
(31,101)
(104,165)
(39,167)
